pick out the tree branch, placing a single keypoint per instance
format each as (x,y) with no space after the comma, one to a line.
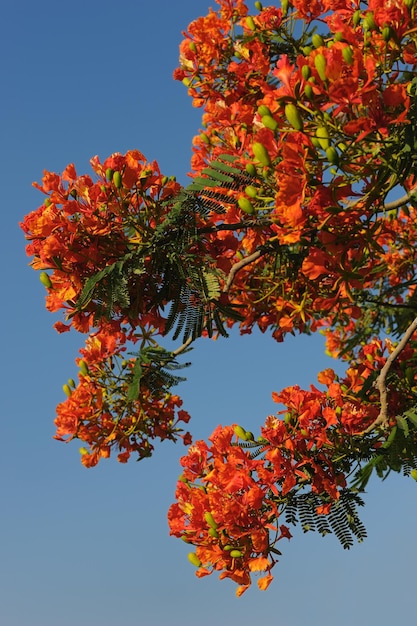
(379,384)
(239,265)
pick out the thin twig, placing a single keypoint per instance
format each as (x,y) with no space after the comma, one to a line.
(379,384)
(239,265)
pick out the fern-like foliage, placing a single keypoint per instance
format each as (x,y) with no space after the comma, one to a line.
(172,265)
(342,520)
(154,368)
(398,453)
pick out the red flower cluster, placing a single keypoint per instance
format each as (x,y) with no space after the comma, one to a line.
(316,103)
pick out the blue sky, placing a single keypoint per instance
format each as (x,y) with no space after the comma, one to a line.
(92,546)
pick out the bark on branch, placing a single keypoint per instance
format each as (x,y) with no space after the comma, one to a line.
(383,418)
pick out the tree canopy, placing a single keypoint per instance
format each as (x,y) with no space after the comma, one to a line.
(300,217)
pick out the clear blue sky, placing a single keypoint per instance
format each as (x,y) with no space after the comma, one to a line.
(91,547)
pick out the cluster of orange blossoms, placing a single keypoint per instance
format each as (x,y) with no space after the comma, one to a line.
(317,103)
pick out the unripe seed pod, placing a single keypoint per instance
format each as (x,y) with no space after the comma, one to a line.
(240,432)
(250,23)
(193,558)
(251,191)
(293,116)
(261,153)
(246,205)
(356,17)
(269,122)
(320,63)
(386,33)
(210,519)
(117,180)
(369,21)
(347,54)
(332,155)
(83,367)
(109,174)
(308,91)
(264,110)
(317,40)
(251,169)
(306,72)
(236,554)
(45,280)
(322,135)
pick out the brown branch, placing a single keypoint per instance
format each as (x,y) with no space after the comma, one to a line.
(239,265)
(395,204)
(379,384)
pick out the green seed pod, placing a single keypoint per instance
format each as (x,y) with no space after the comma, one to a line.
(317,40)
(293,116)
(320,63)
(264,110)
(322,135)
(210,520)
(306,72)
(83,367)
(251,191)
(261,154)
(369,21)
(236,554)
(193,558)
(356,17)
(246,205)
(117,180)
(386,33)
(269,122)
(45,280)
(308,91)
(250,169)
(240,432)
(109,174)
(66,390)
(332,155)
(250,23)
(347,54)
